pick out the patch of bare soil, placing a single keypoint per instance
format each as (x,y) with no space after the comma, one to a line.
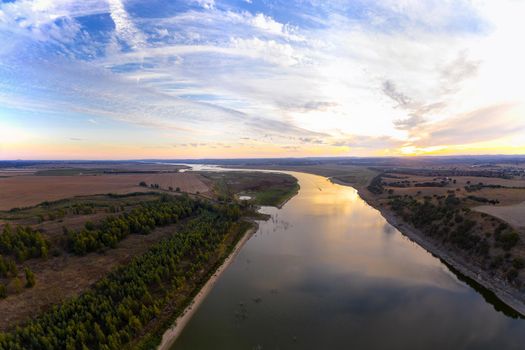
(63,277)
(25,191)
(513,214)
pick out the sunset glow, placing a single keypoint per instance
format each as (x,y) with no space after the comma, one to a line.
(113,79)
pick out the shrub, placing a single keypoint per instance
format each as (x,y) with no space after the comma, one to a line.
(30,278)
(508,239)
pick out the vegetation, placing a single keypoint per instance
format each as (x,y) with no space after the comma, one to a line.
(82,205)
(265,188)
(483,200)
(30,278)
(275,196)
(120,306)
(376,185)
(431,184)
(354,175)
(443,218)
(140,220)
(7,268)
(23,243)
(68,172)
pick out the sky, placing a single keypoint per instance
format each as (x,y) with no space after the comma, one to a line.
(116,79)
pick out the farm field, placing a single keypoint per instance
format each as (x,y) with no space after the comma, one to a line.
(513,214)
(25,191)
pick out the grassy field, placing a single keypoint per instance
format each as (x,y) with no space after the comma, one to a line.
(357,176)
(68,172)
(264,188)
(274,196)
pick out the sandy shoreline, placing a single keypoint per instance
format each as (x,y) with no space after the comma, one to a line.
(499,287)
(170,335)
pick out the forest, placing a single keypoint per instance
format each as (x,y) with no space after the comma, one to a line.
(140,220)
(120,306)
(23,243)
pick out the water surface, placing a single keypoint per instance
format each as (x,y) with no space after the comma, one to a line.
(328,272)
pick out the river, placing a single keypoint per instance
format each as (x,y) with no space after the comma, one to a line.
(328,272)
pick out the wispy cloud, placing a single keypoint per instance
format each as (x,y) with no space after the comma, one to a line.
(364,75)
(481,125)
(125,29)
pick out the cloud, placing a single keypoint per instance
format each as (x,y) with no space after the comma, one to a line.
(391,91)
(125,29)
(46,20)
(311,140)
(363,74)
(416,110)
(207,4)
(308,106)
(481,125)
(457,71)
(370,142)
(279,128)
(450,79)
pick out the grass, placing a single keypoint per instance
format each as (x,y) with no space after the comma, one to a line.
(275,196)
(68,172)
(270,189)
(96,201)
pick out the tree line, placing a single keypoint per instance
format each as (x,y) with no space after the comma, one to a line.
(448,222)
(119,306)
(23,243)
(140,220)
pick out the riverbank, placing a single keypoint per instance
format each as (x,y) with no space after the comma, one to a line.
(170,336)
(506,293)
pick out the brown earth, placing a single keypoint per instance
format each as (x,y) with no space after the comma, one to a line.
(59,278)
(513,214)
(25,191)
(505,196)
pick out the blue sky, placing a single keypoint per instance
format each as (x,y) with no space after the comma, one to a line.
(203,78)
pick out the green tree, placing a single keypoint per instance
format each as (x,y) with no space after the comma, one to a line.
(30,278)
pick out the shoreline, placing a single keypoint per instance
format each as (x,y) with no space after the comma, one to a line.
(281,205)
(171,334)
(508,295)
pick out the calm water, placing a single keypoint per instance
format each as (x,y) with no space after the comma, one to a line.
(327,272)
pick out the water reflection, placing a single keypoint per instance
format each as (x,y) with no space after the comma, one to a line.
(327,272)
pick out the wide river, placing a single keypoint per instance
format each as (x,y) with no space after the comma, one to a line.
(328,272)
